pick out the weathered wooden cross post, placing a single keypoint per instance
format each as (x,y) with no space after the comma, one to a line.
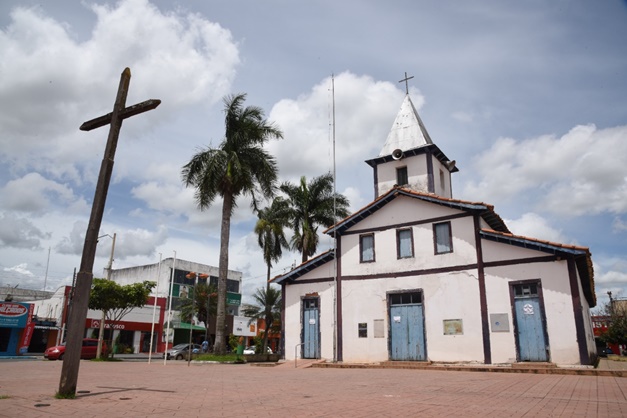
(80,301)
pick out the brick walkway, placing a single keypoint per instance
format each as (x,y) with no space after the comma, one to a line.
(139,389)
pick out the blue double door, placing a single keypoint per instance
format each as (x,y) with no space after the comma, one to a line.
(407,331)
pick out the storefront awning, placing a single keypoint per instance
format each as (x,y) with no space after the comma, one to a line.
(186,325)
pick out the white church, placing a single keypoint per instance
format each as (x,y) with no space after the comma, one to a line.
(421,276)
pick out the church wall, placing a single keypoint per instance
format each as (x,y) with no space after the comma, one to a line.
(386,261)
(293,315)
(446,296)
(441,179)
(587,321)
(416,174)
(401,210)
(557,297)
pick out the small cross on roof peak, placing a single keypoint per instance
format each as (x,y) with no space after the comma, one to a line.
(405,80)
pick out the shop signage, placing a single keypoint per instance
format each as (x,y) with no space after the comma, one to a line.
(13,315)
(243,326)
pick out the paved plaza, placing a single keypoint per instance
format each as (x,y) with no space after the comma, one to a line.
(141,389)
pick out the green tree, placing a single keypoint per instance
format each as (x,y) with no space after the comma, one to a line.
(239,166)
(616,332)
(311,205)
(203,304)
(116,300)
(267,306)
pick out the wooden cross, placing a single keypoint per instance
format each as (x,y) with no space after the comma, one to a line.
(405,80)
(80,301)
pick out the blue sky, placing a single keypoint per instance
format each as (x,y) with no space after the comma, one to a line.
(528,97)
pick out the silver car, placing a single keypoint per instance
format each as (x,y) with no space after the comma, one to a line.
(179,351)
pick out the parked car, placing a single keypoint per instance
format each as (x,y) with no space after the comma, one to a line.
(179,351)
(88,351)
(252,350)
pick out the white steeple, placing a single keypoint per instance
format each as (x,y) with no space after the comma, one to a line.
(407,132)
(410,159)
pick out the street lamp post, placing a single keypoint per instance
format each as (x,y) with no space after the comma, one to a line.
(102,319)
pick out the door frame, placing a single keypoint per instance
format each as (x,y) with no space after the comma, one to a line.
(388,301)
(302,325)
(512,298)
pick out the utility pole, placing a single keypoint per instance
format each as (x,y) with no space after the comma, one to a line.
(78,314)
(102,319)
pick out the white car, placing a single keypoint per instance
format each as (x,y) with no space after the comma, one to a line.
(251,350)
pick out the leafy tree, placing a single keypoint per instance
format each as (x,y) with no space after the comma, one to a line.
(617,328)
(313,204)
(116,300)
(267,306)
(239,166)
(203,304)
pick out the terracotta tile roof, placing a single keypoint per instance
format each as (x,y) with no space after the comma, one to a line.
(550,243)
(487,211)
(303,268)
(583,257)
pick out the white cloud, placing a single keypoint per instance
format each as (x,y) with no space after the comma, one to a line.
(611,278)
(578,173)
(619,225)
(21,269)
(129,242)
(535,226)
(463,117)
(33,192)
(181,59)
(365,111)
(19,232)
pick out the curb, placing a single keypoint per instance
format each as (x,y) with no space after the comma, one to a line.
(504,369)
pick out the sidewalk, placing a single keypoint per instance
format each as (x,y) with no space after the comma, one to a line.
(142,389)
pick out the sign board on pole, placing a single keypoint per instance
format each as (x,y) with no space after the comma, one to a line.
(233,299)
(243,326)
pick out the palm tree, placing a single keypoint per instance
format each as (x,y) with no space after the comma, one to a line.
(203,304)
(239,166)
(313,204)
(271,238)
(269,229)
(267,307)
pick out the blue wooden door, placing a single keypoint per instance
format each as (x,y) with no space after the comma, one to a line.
(532,344)
(407,332)
(311,329)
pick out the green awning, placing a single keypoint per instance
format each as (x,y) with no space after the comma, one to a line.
(187,325)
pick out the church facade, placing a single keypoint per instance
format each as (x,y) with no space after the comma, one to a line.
(421,276)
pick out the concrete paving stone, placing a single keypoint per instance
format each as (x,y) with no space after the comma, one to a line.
(140,389)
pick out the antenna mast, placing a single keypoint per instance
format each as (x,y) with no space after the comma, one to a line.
(335,330)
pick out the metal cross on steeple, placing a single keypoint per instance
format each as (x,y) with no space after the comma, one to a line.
(405,80)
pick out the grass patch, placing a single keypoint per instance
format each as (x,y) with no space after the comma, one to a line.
(65,395)
(224,358)
(4,396)
(106,359)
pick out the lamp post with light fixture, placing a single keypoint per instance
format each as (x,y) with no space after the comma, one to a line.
(102,319)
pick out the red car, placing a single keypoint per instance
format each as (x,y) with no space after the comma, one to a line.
(90,347)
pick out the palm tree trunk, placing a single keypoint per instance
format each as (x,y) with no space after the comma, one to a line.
(223,269)
(265,334)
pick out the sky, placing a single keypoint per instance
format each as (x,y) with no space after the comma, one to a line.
(530,99)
